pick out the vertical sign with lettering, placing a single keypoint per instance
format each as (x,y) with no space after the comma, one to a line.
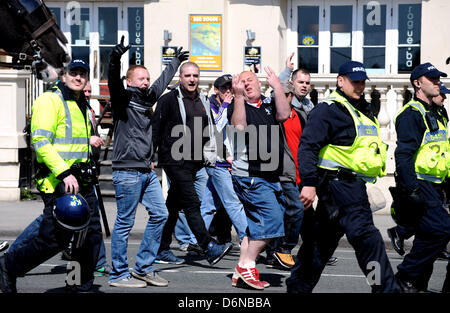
(205,34)
(409,27)
(136,32)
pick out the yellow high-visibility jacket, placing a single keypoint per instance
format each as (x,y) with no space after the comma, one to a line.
(60,136)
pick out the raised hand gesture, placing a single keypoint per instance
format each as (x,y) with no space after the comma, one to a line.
(182,55)
(120,48)
(272,78)
(238,86)
(289,62)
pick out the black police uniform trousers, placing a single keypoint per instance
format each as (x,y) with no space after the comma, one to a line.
(432,234)
(52,238)
(182,195)
(321,236)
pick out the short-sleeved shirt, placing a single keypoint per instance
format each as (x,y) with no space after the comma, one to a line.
(258,151)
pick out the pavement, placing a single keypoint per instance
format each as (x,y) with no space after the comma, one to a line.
(15,216)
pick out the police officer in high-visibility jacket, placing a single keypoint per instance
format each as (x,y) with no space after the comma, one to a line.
(422,164)
(61,135)
(340,150)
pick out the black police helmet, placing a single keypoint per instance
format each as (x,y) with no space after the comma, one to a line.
(72,212)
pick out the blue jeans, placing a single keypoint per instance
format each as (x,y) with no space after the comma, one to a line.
(293,217)
(183,233)
(32,230)
(132,188)
(219,189)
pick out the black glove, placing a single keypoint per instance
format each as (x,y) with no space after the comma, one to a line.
(120,49)
(409,205)
(182,55)
(416,199)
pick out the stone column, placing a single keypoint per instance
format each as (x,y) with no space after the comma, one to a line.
(391,105)
(383,116)
(13,92)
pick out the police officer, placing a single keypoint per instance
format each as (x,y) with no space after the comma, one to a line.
(422,163)
(61,129)
(340,151)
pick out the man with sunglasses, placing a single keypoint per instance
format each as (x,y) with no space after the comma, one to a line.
(61,132)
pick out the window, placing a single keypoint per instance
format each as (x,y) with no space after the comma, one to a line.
(107,29)
(341,36)
(80,36)
(374,42)
(57,12)
(308,38)
(383,34)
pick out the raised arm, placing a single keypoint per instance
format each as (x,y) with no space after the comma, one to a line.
(239,118)
(115,84)
(281,103)
(158,87)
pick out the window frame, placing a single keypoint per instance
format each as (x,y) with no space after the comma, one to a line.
(357,48)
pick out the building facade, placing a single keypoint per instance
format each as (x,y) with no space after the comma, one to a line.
(228,36)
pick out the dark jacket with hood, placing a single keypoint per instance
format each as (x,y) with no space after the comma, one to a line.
(132,114)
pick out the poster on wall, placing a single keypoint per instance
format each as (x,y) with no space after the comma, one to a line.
(252,59)
(205,41)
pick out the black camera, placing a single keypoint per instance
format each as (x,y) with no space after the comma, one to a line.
(85,172)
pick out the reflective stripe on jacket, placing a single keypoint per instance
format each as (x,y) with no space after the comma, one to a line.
(366,156)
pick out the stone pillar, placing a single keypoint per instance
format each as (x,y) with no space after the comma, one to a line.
(383,116)
(391,106)
(13,92)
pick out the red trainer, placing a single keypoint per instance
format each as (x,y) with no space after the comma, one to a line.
(250,276)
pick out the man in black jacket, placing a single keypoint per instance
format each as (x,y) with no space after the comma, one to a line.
(133,176)
(181,117)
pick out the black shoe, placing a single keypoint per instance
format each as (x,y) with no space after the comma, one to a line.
(4,245)
(332,261)
(446,286)
(270,260)
(396,241)
(444,255)
(195,249)
(7,284)
(406,286)
(66,254)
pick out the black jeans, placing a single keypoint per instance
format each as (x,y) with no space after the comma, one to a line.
(52,239)
(182,195)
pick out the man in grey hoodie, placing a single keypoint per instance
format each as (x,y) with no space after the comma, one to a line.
(133,176)
(301,81)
